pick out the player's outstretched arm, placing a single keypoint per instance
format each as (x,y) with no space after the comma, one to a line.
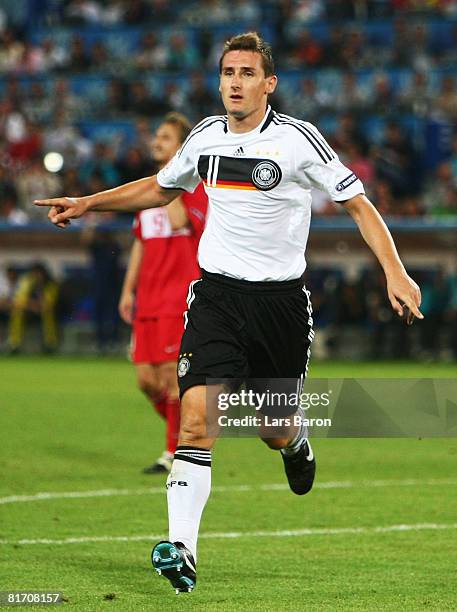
(130,197)
(401,288)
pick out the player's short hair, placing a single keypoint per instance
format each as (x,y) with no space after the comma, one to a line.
(250,41)
(181,122)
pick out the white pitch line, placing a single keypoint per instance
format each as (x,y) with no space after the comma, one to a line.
(339,484)
(243,534)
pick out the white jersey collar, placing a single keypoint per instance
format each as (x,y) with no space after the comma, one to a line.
(256,130)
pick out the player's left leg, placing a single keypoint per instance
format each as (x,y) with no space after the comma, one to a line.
(296,452)
(281,323)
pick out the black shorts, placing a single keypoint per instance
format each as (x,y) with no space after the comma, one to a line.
(240,330)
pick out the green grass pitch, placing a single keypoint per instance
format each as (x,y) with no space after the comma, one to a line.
(74,425)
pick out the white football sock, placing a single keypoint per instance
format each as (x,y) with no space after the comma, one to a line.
(300,438)
(188,489)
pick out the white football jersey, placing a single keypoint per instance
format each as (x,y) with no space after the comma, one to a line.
(259,190)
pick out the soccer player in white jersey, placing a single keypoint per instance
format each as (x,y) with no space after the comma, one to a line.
(249,316)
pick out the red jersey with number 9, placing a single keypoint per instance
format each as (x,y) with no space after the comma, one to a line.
(169,260)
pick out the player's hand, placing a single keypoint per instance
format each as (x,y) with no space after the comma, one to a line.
(126,307)
(61,210)
(405,296)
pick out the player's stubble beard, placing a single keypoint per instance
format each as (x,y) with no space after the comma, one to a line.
(239,114)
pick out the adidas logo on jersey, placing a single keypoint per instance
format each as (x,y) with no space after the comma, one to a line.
(239,151)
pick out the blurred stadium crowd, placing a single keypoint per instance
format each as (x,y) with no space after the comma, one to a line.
(88,79)
(352,316)
(83,83)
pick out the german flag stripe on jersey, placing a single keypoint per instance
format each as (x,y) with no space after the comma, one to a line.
(233,185)
(219,171)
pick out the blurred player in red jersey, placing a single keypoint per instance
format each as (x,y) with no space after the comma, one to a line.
(163,262)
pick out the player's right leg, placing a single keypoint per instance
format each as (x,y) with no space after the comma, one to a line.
(212,348)
(188,489)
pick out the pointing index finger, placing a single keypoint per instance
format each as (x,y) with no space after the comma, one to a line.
(45,202)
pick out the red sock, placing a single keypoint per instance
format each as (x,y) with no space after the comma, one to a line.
(173,420)
(161,404)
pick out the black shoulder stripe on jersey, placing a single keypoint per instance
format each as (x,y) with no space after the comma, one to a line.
(268,120)
(325,157)
(202,126)
(196,127)
(312,131)
(206,123)
(320,142)
(319,137)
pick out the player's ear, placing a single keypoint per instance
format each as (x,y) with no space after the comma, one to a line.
(270,84)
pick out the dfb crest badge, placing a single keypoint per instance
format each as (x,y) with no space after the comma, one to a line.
(183,366)
(266,175)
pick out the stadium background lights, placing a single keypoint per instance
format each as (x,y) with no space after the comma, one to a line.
(53,162)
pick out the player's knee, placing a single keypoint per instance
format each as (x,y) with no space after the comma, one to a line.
(167,374)
(193,427)
(173,393)
(276,443)
(172,389)
(148,385)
